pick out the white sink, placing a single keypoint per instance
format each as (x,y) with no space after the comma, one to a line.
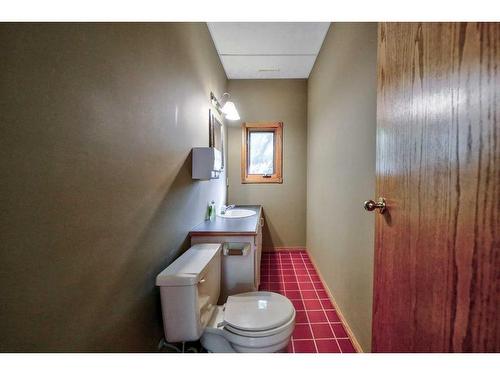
(237,213)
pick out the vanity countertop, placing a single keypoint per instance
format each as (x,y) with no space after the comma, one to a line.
(246,226)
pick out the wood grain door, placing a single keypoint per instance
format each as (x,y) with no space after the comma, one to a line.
(437,250)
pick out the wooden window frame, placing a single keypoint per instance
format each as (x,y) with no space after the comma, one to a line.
(277,176)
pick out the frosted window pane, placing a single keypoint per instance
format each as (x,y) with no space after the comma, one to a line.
(261,153)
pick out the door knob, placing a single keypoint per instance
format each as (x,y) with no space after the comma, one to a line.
(371,205)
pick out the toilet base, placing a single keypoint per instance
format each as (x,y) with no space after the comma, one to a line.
(216,343)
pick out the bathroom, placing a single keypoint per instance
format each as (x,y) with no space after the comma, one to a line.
(368,166)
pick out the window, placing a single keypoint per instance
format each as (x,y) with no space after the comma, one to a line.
(261,153)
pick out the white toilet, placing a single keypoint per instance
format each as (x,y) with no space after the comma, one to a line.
(253,322)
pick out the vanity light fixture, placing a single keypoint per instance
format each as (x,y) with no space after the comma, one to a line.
(225,106)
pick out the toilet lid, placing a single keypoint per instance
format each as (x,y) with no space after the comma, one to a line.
(257,311)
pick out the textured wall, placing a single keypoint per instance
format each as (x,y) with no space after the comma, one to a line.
(284,204)
(97,123)
(341,168)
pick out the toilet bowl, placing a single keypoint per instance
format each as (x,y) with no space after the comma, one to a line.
(251,322)
(255,322)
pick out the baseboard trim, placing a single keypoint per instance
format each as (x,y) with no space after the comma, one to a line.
(336,306)
(275,249)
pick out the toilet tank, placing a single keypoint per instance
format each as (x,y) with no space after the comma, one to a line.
(189,290)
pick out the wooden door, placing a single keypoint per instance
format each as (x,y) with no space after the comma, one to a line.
(437,250)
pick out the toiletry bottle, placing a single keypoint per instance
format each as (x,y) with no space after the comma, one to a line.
(208,215)
(212,211)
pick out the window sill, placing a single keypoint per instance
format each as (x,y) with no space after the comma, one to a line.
(261,180)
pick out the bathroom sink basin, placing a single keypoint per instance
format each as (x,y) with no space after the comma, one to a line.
(237,213)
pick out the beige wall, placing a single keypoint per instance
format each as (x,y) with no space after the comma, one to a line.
(97,123)
(284,204)
(341,168)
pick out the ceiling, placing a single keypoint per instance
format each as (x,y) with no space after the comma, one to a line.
(268,50)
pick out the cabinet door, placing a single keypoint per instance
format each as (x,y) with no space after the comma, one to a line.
(258,251)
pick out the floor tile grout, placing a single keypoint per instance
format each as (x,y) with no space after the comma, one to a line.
(293,273)
(308,319)
(329,323)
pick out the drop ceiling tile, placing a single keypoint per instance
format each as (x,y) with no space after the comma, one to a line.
(268,38)
(267,67)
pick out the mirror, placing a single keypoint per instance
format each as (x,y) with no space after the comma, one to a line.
(216,133)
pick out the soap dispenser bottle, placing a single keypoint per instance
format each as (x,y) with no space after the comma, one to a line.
(209,211)
(212,211)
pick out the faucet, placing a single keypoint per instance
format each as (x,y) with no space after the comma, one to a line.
(223,208)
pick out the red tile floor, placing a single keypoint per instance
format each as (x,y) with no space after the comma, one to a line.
(318,328)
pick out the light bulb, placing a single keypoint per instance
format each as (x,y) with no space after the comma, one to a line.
(230,111)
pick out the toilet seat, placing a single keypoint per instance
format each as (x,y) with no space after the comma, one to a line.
(258,314)
(265,333)
(239,326)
